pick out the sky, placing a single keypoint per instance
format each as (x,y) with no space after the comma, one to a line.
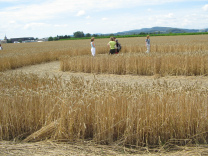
(45,18)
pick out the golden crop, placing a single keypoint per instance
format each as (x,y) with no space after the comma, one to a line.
(18,55)
(182,55)
(34,108)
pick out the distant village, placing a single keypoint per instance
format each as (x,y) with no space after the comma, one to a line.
(22,40)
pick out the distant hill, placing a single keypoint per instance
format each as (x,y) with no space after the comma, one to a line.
(160,30)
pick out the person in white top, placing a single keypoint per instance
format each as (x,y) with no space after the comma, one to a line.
(148,44)
(92,46)
(1,47)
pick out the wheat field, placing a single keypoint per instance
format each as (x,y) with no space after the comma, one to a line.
(34,108)
(187,48)
(169,56)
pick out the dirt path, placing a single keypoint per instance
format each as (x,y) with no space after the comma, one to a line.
(53,69)
(49,148)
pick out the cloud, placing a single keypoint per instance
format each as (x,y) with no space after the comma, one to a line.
(149,10)
(52,15)
(59,25)
(35,25)
(205,8)
(81,12)
(170,15)
(50,9)
(8,0)
(88,17)
(12,22)
(104,19)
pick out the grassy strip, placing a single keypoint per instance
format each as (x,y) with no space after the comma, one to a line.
(127,36)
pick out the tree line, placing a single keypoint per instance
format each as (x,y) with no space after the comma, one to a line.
(80,34)
(77,34)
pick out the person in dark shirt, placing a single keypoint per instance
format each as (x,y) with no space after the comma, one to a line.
(118,46)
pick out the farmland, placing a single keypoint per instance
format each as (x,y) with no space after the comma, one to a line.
(131,99)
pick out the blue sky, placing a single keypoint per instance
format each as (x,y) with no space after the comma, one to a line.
(45,18)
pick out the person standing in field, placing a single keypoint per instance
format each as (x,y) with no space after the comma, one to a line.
(92,46)
(1,47)
(118,46)
(112,44)
(148,44)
